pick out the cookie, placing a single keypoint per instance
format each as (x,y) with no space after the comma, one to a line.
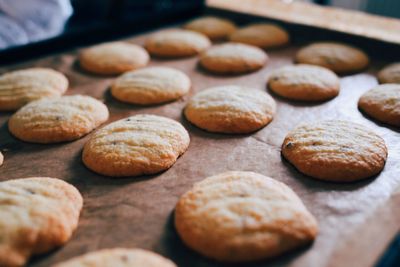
(243,216)
(305,83)
(233,58)
(20,87)
(263,35)
(121,257)
(333,150)
(382,103)
(137,145)
(113,58)
(36,215)
(60,119)
(212,27)
(1,159)
(230,109)
(390,74)
(340,58)
(177,43)
(152,85)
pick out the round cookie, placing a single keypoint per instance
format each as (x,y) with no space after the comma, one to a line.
(20,87)
(121,257)
(233,58)
(340,58)
(263,35)
(137,145)
(382,103)
(333,150)
(305,83)
(390,74)
(230,109)
(152,85)
(177,43)
(212,27)
(113,58)
(60,119)
(36,215)
(243,216)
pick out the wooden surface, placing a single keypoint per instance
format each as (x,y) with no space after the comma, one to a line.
(356,220)
(346,21)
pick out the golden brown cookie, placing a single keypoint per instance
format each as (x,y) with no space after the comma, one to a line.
(263,35)
(304,82)
(243,216)
(212,27)
(152,85)
(113,58)
(20,87)
(334,150)
(230,109)
(36,216)
(390,74)
(1,159)
(233,58)
(177,43)
(137,145)
(340,58)
(121,257)
(382,103)
(60,119)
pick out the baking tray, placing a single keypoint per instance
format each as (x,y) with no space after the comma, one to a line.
(357,220)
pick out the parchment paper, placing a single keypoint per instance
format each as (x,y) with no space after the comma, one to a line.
(356,220)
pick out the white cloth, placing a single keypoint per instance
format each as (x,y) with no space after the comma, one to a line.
(23,21)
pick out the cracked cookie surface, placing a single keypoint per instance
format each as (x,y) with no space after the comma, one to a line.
(113,58)
(213,27)
(390,74)
(230,109)
(137,145)
(152,85)
(121,257)
(304,82)
(60,119)
(20,87)
(36,215)
(177,43)
(382,103)
(334,150)
(233,58)
(243,216)
(338,57)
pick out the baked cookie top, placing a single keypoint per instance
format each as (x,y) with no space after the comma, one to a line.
(20,87)
(137,145)
(390,74)
(304,82)
(241,216)
(230,109)
(263,35)
(121,257)
(113,58)
(177,43)
(382,103)
(37,214)
(233,58)
(1,159)
(213,27)
(338,57)
(334,150)
(59,119)
(151,85)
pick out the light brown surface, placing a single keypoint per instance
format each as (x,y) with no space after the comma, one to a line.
(37,214)
(120,257)
(382,103)
(390,74)
(58,119)
(243,216)
(138,211)
(341,20)
(213,27)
